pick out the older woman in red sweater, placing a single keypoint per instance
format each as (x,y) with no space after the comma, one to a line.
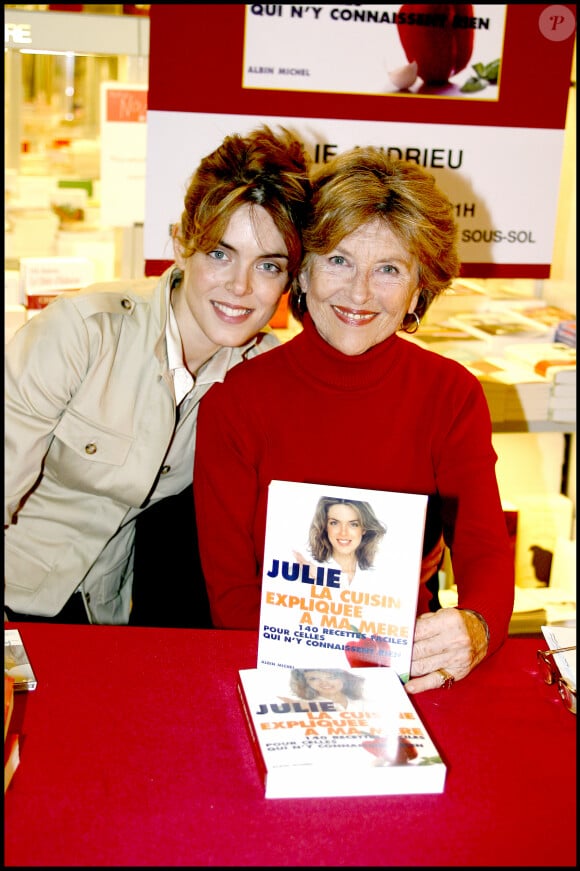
(350,402)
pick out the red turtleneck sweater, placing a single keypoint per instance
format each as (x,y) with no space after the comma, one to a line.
(394,418)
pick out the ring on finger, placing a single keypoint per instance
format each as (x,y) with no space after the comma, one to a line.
(448,679)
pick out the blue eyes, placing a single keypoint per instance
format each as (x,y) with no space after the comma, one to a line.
(354,524)
(266,266)
(339,260)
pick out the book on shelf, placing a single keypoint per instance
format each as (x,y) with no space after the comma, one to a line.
(340,579)
(553,360)
(449,341)
(513,390)
(562,415)
(562,389)
(337,732)
(566,333)
(16,661)
(11,757)
(500,327)
(549,315)
(561,401)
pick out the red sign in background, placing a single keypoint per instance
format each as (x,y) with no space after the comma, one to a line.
(126,105)
(197,61)
(196,57)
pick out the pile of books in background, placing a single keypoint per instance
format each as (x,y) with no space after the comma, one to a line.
(566,333)
(555,362)
(523,354)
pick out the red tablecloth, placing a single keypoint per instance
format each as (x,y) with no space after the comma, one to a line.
(134,752)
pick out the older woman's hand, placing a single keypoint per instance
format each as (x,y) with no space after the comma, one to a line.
(448,643)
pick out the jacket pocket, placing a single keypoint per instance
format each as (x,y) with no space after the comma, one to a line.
(90,441)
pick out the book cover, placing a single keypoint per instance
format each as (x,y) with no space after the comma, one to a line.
(566,333)
(499,328)
(557,637)
(549,315)
(8,701)
(554,360)
(448,341)
(561,390)
(512,389)
(16,662)
(340,579)
(337,732)
(562,415)
(11,757)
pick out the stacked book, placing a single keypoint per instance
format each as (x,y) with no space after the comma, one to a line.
(556,362)
(566,333)
(514,392)
(552,316)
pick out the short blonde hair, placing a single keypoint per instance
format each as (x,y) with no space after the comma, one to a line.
(362,184)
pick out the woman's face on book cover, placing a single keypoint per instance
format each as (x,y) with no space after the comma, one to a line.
(324,683)
(344,529)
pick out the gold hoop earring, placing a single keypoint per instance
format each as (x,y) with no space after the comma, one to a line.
(412,328)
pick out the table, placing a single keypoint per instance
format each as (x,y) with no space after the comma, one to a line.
(134,752)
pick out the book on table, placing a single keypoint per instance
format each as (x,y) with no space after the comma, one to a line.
(340,579)
(558,637)
(554,360)
(337,732)
(512,389)
(549,315)
(16,661)
(500,327)
(11,757)
(8,701)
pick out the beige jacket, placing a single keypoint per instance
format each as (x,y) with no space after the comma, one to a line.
(89,420)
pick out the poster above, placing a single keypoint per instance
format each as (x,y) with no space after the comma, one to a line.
(450,50)
(484,111)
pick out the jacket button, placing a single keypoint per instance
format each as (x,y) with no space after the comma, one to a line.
(91,448)
(126,303)
(165,469)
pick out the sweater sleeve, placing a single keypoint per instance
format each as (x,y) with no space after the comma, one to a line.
(226,499)
(473,518)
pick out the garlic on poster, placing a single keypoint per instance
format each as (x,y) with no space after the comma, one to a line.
(404,76)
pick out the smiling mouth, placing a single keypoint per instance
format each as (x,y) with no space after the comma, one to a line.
(353,318)
(231,311)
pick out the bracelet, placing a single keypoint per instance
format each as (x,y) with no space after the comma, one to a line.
(481,618)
